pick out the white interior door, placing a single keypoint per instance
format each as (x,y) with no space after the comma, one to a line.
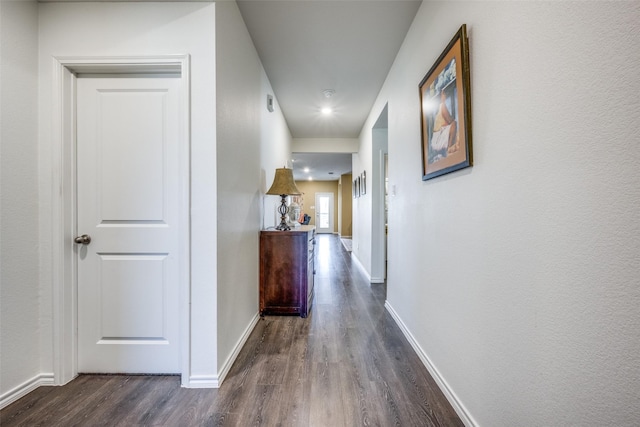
(128,175)
(324,212)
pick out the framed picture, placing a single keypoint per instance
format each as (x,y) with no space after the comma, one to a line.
(363,183)
(445,111)
(355,189)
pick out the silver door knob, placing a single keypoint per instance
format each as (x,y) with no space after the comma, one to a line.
(85,239)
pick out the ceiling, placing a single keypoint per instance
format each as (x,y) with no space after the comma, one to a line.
(320,166)
(309,46)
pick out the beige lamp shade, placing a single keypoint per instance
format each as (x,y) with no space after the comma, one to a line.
(283,183)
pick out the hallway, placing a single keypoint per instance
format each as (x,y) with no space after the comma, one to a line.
(347,364)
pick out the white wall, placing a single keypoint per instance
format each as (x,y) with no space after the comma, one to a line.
(19,287)
(362,207)
(132,29)
(518,278)
(251,143)
(368,238)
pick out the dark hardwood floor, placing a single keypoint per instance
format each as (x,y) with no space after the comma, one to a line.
(347,364)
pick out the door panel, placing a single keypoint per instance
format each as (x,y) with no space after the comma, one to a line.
(128,202)
(138,131)
(129,282)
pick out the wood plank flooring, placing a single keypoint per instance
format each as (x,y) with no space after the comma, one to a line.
(347,364)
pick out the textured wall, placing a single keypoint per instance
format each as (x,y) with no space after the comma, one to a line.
(19,287)
(518,278)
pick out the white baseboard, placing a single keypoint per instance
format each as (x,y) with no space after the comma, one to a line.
(203,381)
(364,271)
(226,367)
(25,388)
(446,390)
(215,381)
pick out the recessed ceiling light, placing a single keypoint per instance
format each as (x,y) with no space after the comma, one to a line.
(326,111)
(306,170)
(310,178)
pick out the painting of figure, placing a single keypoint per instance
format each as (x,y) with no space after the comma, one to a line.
(445,108)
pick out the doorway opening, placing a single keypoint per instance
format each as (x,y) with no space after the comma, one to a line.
(380,143)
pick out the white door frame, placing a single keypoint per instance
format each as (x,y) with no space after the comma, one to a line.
(64,208)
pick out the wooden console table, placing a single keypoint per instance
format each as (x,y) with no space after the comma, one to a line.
(286,271)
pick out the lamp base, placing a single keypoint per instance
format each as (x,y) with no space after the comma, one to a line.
(283,226)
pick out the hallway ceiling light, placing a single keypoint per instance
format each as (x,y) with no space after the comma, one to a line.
(326,111)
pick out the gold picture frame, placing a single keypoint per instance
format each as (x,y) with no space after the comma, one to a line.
(445,111)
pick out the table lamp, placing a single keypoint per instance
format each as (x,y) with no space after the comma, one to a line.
(283,185)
